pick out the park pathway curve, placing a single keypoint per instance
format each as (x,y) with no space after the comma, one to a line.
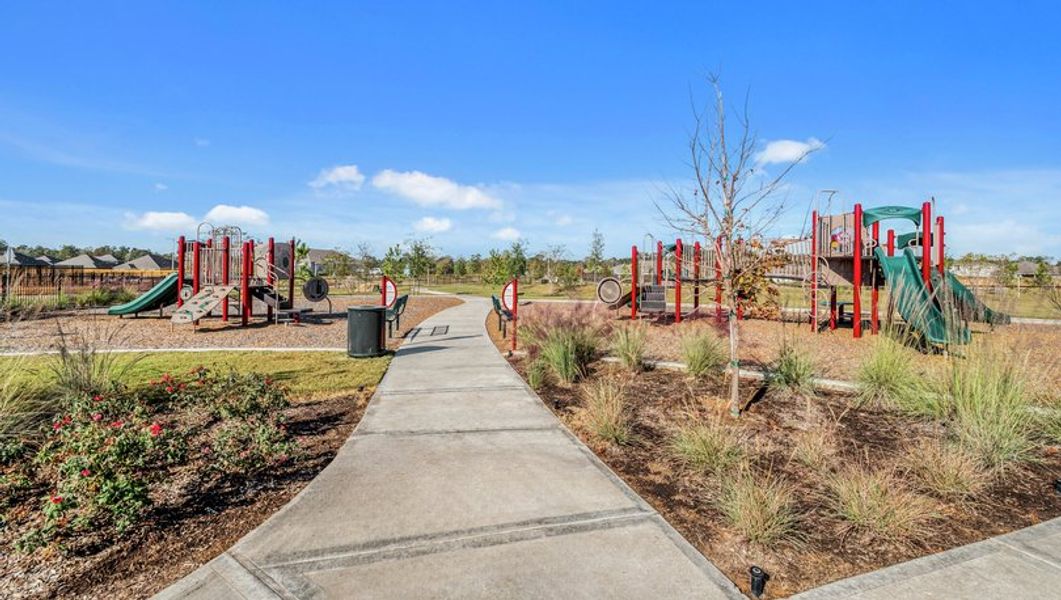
(458,483)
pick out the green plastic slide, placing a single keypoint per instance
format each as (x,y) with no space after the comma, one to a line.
(915,302)
(970,307)
(165,292)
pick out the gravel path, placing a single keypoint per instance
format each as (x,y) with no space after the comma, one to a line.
(152,332)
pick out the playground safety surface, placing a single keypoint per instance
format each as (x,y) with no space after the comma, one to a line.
(150,331)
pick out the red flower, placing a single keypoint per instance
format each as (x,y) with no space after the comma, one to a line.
(182,386)
(97,398)
(56,499)
(57,426)
(85,472)
(117,424)
(155,429)
(169,389)
(97,416)
(268,381)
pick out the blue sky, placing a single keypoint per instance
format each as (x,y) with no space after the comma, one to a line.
(474,123)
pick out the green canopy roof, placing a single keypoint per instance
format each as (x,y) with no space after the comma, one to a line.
(880,213)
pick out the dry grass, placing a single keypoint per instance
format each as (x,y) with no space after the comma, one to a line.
(947,471)
(874,501)
(814,449)
(708,447)
(762,509)
(605,412)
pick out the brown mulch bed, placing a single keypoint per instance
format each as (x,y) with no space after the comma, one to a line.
(661,400)
(150,331)
(180,534)
(836,354)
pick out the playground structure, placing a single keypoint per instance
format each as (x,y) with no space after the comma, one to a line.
(842,249)
(224,269)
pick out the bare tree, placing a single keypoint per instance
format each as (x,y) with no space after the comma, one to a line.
(732,204)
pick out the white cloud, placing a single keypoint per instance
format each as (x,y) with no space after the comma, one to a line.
(433,225)
(202,142)
(160,221)
(560,219)
(508,234)
(428,190)
(786,151)
(341,176)
(225,214)
(161,187)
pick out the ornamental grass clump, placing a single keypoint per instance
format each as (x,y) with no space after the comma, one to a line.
(946,470)
(875,502)
(628,345)
(762,509)
(992,416)
(887,376)
(605,412)
(703,352)
(565,339)
(792,371)
(707,447)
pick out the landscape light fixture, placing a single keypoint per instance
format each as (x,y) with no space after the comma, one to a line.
(758,579)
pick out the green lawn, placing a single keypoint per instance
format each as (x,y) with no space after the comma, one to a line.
(308,375)
(529,291)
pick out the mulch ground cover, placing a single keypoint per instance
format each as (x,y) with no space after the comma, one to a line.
(182,531)
(828,549)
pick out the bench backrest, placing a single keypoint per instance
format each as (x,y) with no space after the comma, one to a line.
(497,304)
(399,304)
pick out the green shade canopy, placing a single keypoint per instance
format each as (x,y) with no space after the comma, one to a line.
(880,213)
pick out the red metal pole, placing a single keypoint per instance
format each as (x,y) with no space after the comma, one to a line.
(678,280)
(196,264)
(226,253)
(291,275)
(269,277)
(814,270)
(856,250)
(633,282)
(244,283)
(659,263)
(891,242)
(696,275)
(874,323)
(940,252)
(926,244)
(180,269)
(515,310)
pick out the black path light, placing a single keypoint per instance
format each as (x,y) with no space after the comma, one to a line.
(1057,486)
(758,577)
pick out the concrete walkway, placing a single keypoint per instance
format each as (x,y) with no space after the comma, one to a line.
(458,483)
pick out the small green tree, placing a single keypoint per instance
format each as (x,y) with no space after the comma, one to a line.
(1006,275)
(595,259)
(419,258)
(1042,277)
(393,264)
(460,267)
(517,259)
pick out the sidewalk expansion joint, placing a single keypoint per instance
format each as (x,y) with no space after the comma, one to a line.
(479,537)
(448,390)
(472,431)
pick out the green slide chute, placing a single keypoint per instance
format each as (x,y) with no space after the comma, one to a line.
(165,292)
(916,304)
(969,306)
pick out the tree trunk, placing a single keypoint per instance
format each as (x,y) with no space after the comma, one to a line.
(734,361)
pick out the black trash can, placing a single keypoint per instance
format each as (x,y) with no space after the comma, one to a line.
(365,335)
